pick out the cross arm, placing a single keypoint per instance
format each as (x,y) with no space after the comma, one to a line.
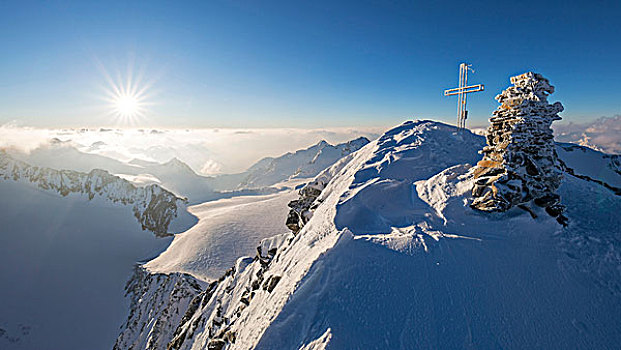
(465,90)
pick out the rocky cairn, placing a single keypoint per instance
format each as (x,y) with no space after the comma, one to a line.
(520,164)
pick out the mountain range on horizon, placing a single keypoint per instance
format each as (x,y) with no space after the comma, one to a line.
(181,179)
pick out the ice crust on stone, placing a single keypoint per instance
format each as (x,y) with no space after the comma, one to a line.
(520,163)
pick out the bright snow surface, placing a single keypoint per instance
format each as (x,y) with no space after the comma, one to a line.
(394,258)
(414,267)
(227,229)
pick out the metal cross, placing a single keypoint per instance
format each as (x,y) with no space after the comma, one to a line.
(461,92)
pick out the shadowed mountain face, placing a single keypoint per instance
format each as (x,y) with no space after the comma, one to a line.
(70,239)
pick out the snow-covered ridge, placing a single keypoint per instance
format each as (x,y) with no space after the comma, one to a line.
(390,255)
(305,163)
(210,319)
(222,319)
(153,206)
(586,163)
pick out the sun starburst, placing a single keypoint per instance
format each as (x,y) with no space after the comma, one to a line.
(127,98)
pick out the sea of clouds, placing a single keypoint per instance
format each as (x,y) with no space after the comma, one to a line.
(206,151)
(603,134)
(222,151)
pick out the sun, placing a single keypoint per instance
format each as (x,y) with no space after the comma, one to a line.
(127,106)
(128,98)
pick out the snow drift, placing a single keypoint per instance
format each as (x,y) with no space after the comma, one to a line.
(392,256)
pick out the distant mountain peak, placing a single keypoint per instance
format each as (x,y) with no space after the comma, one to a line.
(304,163)
(323,143)
(178,164)
(153,206)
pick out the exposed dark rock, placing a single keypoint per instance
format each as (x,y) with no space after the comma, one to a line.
(154,311)
(302,209)
(271,283)
(216,344)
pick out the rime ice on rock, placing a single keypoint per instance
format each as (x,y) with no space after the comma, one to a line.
(520,163)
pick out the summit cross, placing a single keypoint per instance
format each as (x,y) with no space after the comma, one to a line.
(462,94)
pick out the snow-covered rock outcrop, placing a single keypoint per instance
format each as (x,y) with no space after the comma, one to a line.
(394,257)
(153,206)
(158,304)
(302,208)
(520,163)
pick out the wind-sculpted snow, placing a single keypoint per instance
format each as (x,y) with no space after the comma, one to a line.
(391,256)
(585,161)
(152,206)
(450,277)
(407,153)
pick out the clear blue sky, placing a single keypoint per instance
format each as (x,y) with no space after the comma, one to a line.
(301,63)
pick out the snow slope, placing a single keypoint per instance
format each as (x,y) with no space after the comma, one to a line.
(393,257)
(227,229)
(596,165)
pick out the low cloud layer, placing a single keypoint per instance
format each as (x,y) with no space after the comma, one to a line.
(207,151)
(603,134)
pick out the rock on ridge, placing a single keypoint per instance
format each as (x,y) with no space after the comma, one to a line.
(520,163)
(158,304)
(153,206)
(302,208)
(212,315)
